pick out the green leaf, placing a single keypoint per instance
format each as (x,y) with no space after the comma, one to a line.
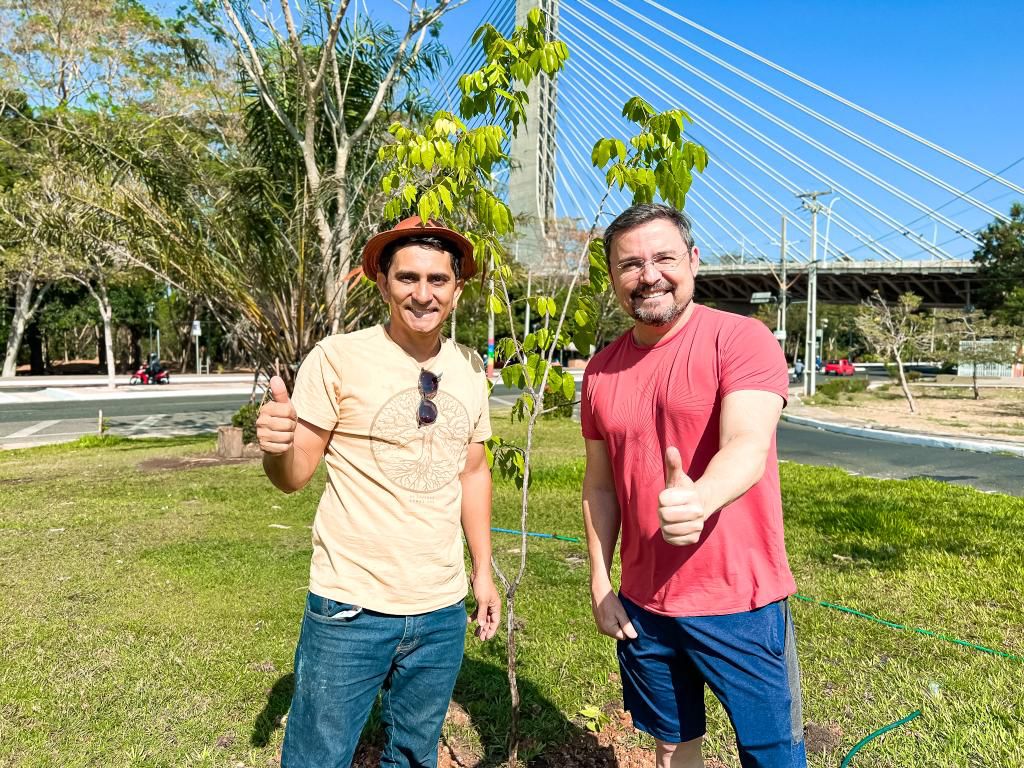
(534,369)
(496,305)
(554,379)
(636,109)
(512,375)
(552,307)
(530,342)
(583,338)
(569,387)
(446,197)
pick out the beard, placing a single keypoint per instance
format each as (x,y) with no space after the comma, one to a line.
(655,317)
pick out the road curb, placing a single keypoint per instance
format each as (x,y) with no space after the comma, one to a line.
(906,438)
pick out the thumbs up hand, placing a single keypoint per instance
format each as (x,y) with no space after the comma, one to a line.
(275,426)
(680,508)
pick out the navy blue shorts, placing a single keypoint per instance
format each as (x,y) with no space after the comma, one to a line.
(747,659)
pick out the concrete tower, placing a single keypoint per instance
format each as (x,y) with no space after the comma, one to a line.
(532,176)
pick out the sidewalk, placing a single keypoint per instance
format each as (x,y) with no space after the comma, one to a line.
(796,412)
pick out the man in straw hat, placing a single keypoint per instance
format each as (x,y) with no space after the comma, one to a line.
(399,414)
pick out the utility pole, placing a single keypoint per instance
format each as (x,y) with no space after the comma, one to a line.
(782,287)
(809,200)
(490,322)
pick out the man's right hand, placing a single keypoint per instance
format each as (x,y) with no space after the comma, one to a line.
(275,426)
(610,616)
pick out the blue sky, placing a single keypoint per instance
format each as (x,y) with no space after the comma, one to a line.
(947,71)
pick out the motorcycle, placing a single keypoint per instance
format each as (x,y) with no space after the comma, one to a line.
(147,375)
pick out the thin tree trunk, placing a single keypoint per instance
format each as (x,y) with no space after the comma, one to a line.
(974,380)
(99,292)
(24,310)
(513,683)
(338,258)
(905,386)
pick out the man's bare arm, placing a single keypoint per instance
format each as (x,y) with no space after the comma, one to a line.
(602,521)
(747,423)
(476,525)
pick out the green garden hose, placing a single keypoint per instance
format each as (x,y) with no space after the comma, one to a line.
(920,631)
(875,735)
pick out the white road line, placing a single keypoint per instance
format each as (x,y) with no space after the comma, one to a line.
(145,424)
(31,430)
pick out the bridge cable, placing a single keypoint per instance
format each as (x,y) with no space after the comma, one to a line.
(818,116)
(846,102)
(735,146)
(718,219)
(796,160)
(763,166)
(824,149)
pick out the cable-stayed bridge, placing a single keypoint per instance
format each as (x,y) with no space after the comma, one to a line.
(890,210)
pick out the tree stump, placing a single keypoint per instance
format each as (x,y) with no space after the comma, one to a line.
(229,442)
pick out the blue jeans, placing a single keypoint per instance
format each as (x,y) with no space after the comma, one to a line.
(346,655)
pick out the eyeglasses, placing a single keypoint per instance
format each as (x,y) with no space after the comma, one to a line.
(429,383)
(662,262)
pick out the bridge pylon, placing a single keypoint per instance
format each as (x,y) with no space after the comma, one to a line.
(532,172)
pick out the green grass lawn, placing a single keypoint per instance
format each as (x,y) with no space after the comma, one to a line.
(148,616)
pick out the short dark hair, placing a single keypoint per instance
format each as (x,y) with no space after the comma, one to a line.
(424,241)
(643,213)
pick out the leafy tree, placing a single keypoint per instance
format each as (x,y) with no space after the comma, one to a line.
(895,331)
(1011,310)
(66,62)
(327,87)
(1001,260)
(976,340)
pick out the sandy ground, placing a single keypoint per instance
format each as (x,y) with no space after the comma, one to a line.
(998,415)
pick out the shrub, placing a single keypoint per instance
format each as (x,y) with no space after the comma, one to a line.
(835,387)
(557,400)
(245,418)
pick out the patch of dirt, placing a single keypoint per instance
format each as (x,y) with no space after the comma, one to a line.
(178,463)
(822,739)
(998,414)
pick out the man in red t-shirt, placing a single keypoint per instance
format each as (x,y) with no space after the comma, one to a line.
(679,416)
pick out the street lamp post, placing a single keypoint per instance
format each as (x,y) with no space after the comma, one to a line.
(810,202)
(149,311)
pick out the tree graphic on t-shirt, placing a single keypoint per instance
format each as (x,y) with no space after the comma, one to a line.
(420,458)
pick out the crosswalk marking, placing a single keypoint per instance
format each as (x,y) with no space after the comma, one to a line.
(39,427)
(145,424)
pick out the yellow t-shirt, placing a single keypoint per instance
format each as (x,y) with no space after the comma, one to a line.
(387,532)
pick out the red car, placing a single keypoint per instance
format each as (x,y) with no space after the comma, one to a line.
(838,368)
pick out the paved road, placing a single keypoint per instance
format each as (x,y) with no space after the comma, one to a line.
(50,422)
(66,420)
(875,458)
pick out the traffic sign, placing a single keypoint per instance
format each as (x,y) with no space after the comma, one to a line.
(761,297)
(196,328)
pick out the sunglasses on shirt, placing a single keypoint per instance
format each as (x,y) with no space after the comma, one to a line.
(429,383)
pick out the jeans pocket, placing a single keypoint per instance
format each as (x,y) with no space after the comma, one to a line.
(328,611)
(777,628)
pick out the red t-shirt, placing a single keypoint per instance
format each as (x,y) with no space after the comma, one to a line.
(639,401)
